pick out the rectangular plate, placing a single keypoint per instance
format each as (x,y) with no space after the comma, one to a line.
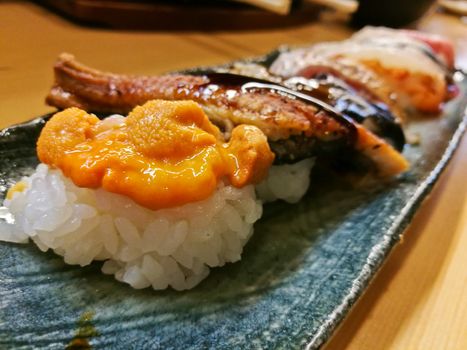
(303,269)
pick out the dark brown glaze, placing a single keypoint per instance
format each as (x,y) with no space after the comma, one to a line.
(279,112)
(298,124)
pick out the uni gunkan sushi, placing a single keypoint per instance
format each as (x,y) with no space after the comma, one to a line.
(158,195)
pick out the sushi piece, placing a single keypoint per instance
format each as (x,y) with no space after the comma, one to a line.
(298,124)
(416,66)
(158,195)
(363,81)
(436,47)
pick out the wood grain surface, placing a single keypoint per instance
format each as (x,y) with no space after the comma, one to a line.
(419,298)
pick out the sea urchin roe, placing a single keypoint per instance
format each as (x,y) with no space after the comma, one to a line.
(162,155)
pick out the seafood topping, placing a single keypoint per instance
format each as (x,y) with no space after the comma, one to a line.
(239,84)
(418,67)
(164,154)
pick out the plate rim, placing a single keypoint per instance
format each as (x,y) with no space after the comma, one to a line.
(381,251)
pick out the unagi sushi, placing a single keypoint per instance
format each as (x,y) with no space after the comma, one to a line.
(298,122)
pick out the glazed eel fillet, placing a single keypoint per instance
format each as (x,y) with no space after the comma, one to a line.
(296,124)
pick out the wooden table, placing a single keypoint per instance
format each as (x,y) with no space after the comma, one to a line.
(419,298)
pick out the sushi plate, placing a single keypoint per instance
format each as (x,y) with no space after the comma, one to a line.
(300,274)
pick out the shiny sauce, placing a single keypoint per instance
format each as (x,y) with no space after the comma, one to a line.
(324,90)
(243,84)
(373,114)
(227,90)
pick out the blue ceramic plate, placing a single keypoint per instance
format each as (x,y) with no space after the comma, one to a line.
(303,269)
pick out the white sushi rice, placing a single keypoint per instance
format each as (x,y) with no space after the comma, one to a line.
(288,182)
(168,247)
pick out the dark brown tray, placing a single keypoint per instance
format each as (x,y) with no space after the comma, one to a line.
(178,15)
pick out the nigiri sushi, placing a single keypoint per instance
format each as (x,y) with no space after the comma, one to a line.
(436,47)
(158,195)
(417,66)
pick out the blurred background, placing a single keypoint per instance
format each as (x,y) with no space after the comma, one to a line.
(243,14)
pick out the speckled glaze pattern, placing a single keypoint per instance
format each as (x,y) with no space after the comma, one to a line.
(303,269)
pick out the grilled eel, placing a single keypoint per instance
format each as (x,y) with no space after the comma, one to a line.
(297,125)
(350,90)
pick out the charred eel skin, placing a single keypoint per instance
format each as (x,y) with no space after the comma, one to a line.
(297,125)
